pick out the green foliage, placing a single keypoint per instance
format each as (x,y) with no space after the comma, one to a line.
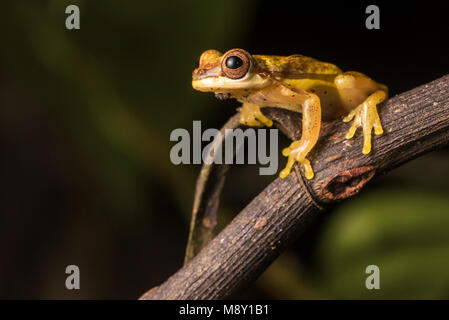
(402,231)
(98,104)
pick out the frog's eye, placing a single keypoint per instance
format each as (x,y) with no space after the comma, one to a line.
(235,64)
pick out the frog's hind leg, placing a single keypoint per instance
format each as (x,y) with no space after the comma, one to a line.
(361,95)
(366,116)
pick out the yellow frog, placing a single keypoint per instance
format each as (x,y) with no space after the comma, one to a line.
(297,83)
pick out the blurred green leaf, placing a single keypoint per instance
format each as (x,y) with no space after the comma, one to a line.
(404,232)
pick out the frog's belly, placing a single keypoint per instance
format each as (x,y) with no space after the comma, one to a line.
(331,106)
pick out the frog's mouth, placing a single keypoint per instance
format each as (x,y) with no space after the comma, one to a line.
(222,96)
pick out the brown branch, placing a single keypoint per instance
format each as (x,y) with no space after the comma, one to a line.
(415,122)
(207,195)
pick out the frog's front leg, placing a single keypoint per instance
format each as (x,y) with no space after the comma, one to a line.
(298,150)
(251,115)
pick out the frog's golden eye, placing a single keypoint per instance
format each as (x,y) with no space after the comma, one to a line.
(235,64)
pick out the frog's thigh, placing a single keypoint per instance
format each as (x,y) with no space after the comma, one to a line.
(353,88)
(298,150)
(251,115)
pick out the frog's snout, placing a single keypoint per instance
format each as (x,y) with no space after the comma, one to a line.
(203,78)
(198,74)
(208,72)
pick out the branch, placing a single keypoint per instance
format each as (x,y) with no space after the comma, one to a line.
(207,195)
(414,122)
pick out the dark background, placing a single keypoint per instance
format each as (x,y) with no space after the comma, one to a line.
(86,117)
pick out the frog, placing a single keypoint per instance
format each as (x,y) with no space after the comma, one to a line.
(320,91)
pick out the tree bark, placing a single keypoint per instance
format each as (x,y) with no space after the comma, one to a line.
(414,122)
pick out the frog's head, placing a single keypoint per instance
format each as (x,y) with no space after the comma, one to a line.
(231,73)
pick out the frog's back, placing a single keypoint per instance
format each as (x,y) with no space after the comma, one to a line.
(308,74)
(297,67)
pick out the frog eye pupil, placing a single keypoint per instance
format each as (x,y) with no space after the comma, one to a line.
(234,62)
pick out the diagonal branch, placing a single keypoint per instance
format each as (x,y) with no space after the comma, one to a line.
(415,122)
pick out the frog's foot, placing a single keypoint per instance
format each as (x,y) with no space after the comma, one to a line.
(297,152)
(365,116)
(250,115)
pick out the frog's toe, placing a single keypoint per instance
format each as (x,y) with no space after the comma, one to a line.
(286,171)
(350,116)
(355,125)
(286,152)
(308,171)
(255,123)
(259,116)
(367,144)
(366,149)
(267,122)
(283,174)
(378,130)
(251,122)
(351,132)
